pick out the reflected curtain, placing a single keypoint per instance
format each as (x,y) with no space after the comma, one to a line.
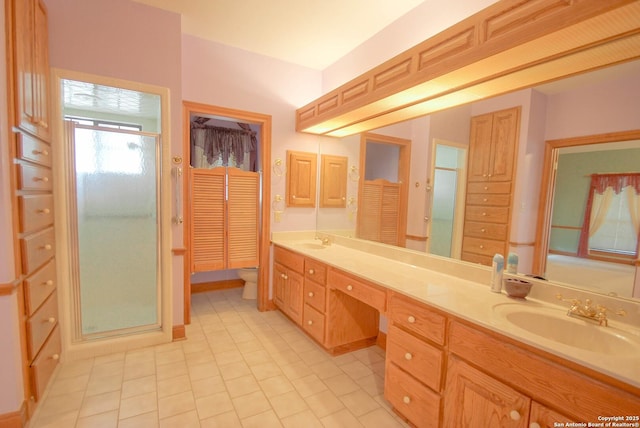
(601,191)
(213,146)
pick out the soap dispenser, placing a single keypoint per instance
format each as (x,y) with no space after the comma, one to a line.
(497,269)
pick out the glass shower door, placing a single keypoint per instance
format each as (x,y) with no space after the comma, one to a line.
(117,232)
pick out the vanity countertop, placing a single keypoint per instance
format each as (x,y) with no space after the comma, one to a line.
(467,299)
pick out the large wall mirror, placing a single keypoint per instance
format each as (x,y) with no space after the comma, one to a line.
(599,103)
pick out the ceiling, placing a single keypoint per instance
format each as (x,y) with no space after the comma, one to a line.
(311,33)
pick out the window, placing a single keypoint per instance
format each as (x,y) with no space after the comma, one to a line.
(616,235)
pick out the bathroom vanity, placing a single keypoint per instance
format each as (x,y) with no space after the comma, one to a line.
(457,354)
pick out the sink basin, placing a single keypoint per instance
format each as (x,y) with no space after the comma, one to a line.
(312,246)
(555,325)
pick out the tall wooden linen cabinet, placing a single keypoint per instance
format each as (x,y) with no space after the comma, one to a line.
(32,192)
(490,182)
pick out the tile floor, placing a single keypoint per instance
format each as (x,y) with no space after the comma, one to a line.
(237,368)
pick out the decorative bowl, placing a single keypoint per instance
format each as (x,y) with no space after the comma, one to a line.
(517,288)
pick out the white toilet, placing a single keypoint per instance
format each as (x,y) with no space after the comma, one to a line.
(250,277)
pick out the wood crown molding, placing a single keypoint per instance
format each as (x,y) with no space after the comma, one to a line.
(510,45)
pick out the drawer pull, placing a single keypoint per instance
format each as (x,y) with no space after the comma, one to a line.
(43,211)
(40,152)
(485,200)
(411,319)
(534,425)
(484,214)
(310,293)
(285,276)
(48,282)
(43,179)
(310,322)
(486,187)
(514,415)
(481,247)
(51,320)
(55,357)
(349,287)
(311,271)
(408,356)
(46,247)
(483,230)
(406,399)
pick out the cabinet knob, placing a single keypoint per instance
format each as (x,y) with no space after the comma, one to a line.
(411,319)
(484,175)
(43,179)
(51,320)
(481,247)
(408,356)
(311,271)
(46,247)
(55,357)
(43,211)
(286,276)
(310,293)
(310,322)
(483,230)
(293,196)
(534,425)
(486,187)
(48,282)
(484,214)
(349,287)
(485,200)
(514,415)
(40,152)
(406,399)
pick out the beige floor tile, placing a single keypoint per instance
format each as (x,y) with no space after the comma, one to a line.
(201,357)
(101,403)
(167,371)
(265,370)
(68,385)
(223,420)
(341,384)
(249,345)
(359,402)
(380,418)
(296,370)
(110,369)
(242,385)
(208,386)
(228,357)
(62,404)
(57,420)
(372,384)
(174,385)
(288,404)
(234,370)
(101,385)
(257,357)
(141,385)
(309,385)
(182,420)
(202,371)
(214,404)
(169,357)
(138,405)
(276,385)
(356,369)
(145,420)
(176,404)
(304,419)
(102,420)
(326,369)
(324,403)
(267,419)
(341,419)
(138,369)
(75,368)
(251,404)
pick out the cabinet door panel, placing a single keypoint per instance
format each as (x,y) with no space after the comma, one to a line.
(301,179)
(545,417)
(480,147)
(207,219)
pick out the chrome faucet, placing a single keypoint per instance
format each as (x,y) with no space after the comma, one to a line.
(325,240)
(589,311)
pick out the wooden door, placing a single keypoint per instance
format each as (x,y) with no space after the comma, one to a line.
(474,399)
(243,218)
(301,179)
(379,212)
(279,278)
(480,147)
(545,417)
(294,288)
(207,219)
(504,142)
(333,181)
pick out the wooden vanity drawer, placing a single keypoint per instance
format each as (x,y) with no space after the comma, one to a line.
(41,324)
(33,150)
(488,199)
(315,271)
(37,249)
(421,360)
(486,187)
(39,286)
(418,318)
(363,291)
(288,258)
(314,295)
(34,178)
(43,366)
(313,323)
(477,258)
(487,214)
(36,212)
(485,230)
(486,247)
(410,398)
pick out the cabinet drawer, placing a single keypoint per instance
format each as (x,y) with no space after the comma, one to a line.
(421,360)
(410,398)
(314,295)
(37,249)
(36,212)
(41,324)
(486,187)
(487,214)
(42,367)
(477,258)
(485,247)
(359,289)
(417,318)
(487,199)
(315,271)
(313,323)
(33,150)
(34,178)
(289,258)
(485,230)
(39,286)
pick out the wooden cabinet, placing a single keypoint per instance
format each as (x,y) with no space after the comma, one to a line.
(492,158)
(288,283)
(301,179)
(333,181)
(31,83)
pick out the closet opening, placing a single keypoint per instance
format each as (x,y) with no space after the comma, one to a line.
(226,222)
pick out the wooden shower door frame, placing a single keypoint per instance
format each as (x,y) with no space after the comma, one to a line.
(264,242)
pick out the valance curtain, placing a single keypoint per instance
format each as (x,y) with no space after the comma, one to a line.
(601,191)
(213,146)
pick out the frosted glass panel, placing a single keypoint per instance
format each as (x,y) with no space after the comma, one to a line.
(444,203)
(116,182)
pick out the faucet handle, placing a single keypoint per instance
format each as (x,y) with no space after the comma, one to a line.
(604,309)
(572,301)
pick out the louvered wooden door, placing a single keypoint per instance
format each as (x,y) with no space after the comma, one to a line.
(379,215)
(224,219)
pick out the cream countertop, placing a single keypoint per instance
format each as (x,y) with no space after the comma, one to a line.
(462,290)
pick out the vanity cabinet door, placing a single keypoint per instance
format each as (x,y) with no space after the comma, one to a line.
(474,399)
(301,179)
(333,181)
(287,286)
(544,417)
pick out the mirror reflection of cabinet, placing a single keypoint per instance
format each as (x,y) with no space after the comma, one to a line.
(492,149)
(333,181)
(301,179)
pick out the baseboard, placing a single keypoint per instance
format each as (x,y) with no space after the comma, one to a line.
(381,341)
(17,419)
(216,285)
(179,332)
